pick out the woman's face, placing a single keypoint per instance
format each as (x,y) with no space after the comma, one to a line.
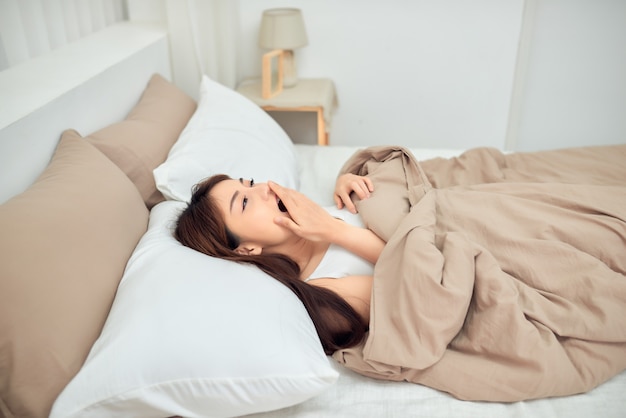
(249,210)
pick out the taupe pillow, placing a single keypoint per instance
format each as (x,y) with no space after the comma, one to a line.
(143,140)
(64,244)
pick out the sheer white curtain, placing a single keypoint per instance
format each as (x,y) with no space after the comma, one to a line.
(29,28)
(203,39)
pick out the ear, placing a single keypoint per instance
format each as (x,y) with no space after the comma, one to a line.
(248,250)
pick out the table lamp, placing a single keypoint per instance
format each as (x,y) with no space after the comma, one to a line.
(283,28)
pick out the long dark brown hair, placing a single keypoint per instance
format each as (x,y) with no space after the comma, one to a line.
(201,226)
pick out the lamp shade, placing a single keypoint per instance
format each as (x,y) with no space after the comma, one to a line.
(282,29)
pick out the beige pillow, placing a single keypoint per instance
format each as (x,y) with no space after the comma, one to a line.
(64,244)
(143,140)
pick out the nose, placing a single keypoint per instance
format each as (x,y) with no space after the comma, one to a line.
(264,190)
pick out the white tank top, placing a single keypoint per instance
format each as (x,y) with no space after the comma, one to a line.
(338,262)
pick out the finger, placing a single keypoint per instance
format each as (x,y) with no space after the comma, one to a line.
(275,187)
(348,202)
(285,194)
(361,190)
(338,201)
(370,183)
(286,223)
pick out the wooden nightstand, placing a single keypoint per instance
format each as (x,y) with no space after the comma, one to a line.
(309,95)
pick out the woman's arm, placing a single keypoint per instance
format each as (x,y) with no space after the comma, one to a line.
(360,241)
(310,221)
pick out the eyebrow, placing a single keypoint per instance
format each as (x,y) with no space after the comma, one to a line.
(232,199)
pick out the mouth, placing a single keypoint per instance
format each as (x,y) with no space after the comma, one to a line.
(281,205)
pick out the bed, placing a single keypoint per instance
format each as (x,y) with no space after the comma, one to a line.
(103,314)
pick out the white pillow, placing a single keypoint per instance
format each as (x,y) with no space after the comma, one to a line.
(192,335)
(227,134)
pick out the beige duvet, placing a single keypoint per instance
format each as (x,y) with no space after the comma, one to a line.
(503,277)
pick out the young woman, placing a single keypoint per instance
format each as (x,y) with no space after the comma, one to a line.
(325,259)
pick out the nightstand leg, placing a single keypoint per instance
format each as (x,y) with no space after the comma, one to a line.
(322,136)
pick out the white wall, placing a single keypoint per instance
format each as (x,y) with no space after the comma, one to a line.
(516,74)
(422,73)
(575,85)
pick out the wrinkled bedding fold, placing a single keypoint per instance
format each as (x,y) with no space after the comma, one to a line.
(504,275)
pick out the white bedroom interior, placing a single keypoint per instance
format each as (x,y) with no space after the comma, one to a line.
(435,76)
(517,75)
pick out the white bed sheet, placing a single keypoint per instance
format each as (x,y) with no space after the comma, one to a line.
(357,396)
(319,167)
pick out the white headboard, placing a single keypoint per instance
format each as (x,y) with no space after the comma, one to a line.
(85,85)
